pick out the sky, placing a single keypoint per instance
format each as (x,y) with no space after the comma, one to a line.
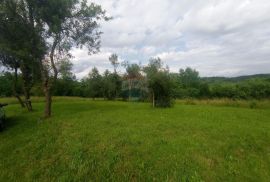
(216,37)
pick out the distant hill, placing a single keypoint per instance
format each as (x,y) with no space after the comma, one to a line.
(235,79)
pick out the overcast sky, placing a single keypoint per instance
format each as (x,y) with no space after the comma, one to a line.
(216,37)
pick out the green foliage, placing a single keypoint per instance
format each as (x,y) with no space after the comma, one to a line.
(112,84)
(6,82)
(189,78)
(37,90)
(133,86)
(64,87)
(248,89)
(133,71)
(94,84)
(159,83)
(21,46)
(65,84)
(72,23)
(114,61)
(32,30)
(161,87)
(65,69)
(18,36)
(188,84)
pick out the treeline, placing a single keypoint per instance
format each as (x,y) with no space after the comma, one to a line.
(145,82)
(251,87)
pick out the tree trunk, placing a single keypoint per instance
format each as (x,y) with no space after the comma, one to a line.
(20,100)
(28,102)
(48,83)
(46,90)
(26,86)
(15,93)
(48,102)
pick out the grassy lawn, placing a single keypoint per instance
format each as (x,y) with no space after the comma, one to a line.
(89,140)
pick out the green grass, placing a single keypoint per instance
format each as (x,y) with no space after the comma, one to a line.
(89,140)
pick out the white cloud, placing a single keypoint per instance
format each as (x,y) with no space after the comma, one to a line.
(83,63)
(217,37)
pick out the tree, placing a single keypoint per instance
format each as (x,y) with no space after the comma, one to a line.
(189,78)
(112,82)
(114,61)
(161,86)
(111,85)
(159,83)
(190,83)
(20,38)
(6,89)
(94,82)
(12,63)
(69,23)
(45,31)
(132,74)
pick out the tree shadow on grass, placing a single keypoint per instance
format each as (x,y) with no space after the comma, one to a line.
(11,122)
(26,120)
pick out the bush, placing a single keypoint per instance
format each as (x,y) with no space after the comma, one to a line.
(253,105)
(161,86)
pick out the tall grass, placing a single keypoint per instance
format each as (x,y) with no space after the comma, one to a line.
(253,104)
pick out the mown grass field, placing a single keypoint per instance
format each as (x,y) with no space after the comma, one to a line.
(89,140)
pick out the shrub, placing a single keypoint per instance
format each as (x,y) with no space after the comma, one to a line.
(253,105)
